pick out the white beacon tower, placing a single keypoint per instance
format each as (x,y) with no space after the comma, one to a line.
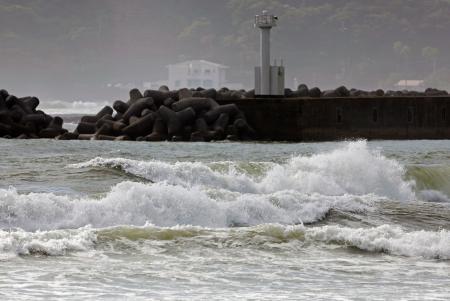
(269,80)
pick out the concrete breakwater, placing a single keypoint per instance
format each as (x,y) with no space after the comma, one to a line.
(20,118)
(337,118)
(159,115)
(210,115)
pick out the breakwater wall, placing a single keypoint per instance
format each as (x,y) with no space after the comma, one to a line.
(337,118)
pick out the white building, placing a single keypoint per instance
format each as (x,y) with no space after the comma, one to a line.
(410,84)
(197,73)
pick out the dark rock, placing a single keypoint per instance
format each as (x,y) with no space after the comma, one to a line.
(85,136)
(230,109)
(197,137)
(107,110)
(10,101)
(157,96)
(250,94)
(123,138)
(168,102)
(302,90)
(177,138)
(329,93)
(104,137)
(288,92)
(120,106)
(159,132)
(176,121)
(315,92)
(196,103)
(244,128)
(89,119)
(184,93)
(4,94)
(22,136)
(135,94)
(221,123)
(342,91)
(379,93)
(105,129)
(145,112)
(137,107)
(85,128)
(164,88)
(232,138)
(67,136)
(141,127)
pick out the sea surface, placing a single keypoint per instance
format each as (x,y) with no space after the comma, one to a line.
(352,220)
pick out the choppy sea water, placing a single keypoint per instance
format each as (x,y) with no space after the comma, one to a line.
(90,220)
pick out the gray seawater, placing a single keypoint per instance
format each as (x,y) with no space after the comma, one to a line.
(356,220)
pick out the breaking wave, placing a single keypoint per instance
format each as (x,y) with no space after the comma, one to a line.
(188,200)
(50,243)
(353,169)
(387,239)
(162,204)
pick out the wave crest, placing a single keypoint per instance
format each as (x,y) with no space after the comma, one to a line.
(353,169)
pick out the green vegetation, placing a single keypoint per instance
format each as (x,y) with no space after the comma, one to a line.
(362,43)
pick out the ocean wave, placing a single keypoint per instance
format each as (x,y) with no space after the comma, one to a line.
(388,239)
(353,169)
(50,243)
(163,204)
(434,196)
(72,107)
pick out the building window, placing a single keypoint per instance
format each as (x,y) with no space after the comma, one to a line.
(339,115)
(207,71)
(410,115)
(444,114)
(193,83)
(207,83)
(374,115)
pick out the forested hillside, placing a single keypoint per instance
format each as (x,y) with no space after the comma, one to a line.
(64,48)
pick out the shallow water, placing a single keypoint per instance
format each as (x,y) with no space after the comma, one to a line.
(125,220)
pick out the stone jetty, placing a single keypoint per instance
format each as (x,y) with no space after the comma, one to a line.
(20,118)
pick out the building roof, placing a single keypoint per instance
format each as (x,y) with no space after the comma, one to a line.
(203,62)
(410,83)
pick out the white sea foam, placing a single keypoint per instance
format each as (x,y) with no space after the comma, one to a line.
(303,190)
(72,107)
(434,196)
(54,243)
(353,169)
(162,204)
(386,239)
(390,239)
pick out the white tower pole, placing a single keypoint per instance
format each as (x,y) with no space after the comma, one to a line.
(265,60)
(265,22)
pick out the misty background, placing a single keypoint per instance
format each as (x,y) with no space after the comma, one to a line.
(71,50)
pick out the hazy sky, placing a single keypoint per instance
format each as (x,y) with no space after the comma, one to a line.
(70,50)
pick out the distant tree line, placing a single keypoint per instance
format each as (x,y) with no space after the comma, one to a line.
(361,43)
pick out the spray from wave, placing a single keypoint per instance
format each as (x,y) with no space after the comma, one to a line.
(162,204)
(197,199)
(73,107)
(353,169)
